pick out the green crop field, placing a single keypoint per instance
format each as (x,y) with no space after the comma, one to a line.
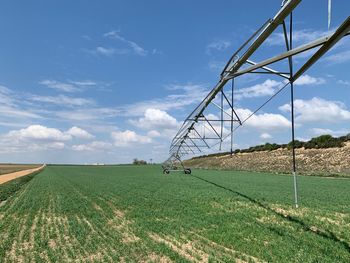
(137,214)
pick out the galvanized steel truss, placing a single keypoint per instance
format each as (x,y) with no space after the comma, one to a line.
(191,140)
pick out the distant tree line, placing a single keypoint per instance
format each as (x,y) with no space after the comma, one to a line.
(323,141)
(139,162)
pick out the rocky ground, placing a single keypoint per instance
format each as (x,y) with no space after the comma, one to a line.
(331,161)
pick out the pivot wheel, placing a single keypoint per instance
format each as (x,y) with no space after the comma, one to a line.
(166,171)
(187,171)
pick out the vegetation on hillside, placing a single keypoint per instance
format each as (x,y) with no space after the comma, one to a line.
(323,141)
(139,162)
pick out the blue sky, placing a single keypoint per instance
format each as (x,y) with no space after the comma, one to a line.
(92,81)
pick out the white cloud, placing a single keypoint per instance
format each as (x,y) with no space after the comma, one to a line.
(153,134)
(105,51)
(5,96)
(40,138)
(190,94)
(5,90)
(12,112)
(309,80)
(22,141)
(211,131)
(87,114)
(182,96)
(158,122)
(322,131)
(69,85)
(211,116)
(43,133)
(38,132)
(156,52)
(264,121)
(267,88)
(338,58)
(112,34)
(219,45)
(127,138)
(13,124)
(108,52)
(318,110)
(136,48)
(344,82)
(93,146)
(299,36)
(61,86)
(56,145)
(84,83)
(265,136)
(79,133)
(18,113)
(63,100)
(216,65)
(156,119)
(270,87)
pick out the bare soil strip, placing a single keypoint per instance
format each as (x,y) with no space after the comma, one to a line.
(11,176)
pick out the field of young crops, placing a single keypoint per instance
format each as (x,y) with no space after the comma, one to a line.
(137,214)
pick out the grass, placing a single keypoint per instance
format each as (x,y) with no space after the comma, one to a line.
(11,168)
(137,214)
(11,187)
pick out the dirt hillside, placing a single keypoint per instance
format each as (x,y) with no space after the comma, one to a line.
(331,161)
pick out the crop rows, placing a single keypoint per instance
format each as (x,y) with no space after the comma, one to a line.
(137,214)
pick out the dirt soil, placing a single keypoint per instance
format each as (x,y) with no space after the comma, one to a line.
(8,177)
(331,161)
(6,168)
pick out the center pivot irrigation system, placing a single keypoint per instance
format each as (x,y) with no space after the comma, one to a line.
(201,131)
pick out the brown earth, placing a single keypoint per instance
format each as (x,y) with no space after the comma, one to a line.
(8,177)
(7,168)
(331,161)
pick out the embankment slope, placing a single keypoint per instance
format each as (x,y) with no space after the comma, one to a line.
(330,161)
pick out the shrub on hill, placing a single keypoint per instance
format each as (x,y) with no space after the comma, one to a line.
(139,162)
(297,144)
(323,141)
(258,148)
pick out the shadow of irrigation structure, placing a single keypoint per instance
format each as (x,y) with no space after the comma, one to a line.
(322,233)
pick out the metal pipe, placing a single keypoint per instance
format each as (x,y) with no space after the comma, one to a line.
(269,70)
(277,20)
(337,35)
(232,89)
(222,117)
(290,53)
(290,60)
(244,44)
(270,27)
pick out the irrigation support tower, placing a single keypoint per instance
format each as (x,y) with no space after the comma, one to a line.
(200,131)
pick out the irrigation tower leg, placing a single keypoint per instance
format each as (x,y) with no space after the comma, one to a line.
(222,117)
(289,46)
(232,89)
(293,147)
(295,181)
